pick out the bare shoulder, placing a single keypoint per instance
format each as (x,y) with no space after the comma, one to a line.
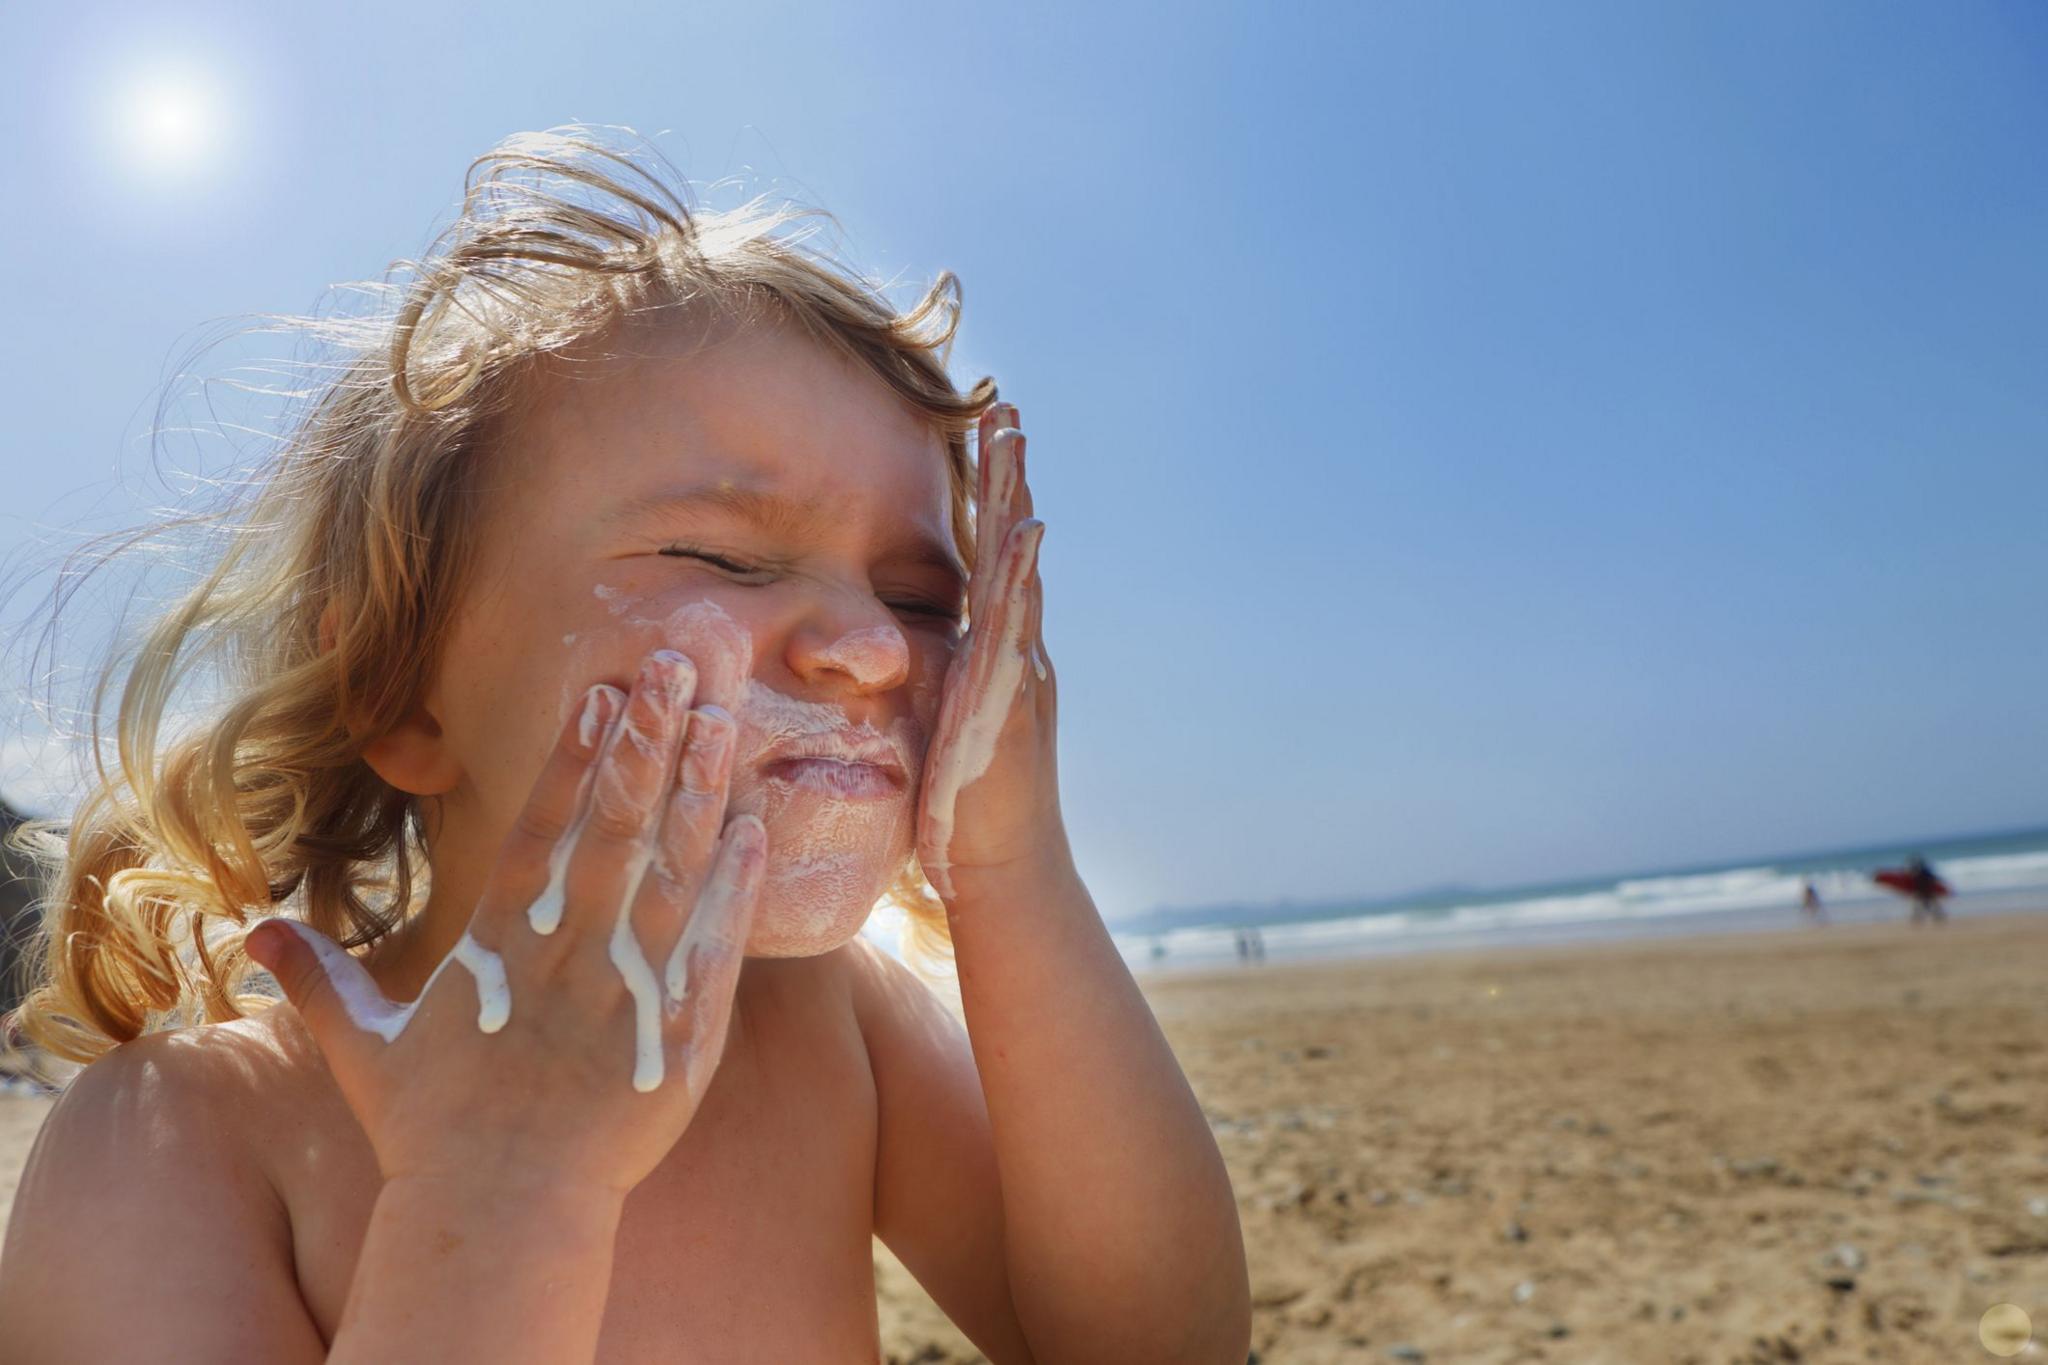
(145,1186)
(883,991)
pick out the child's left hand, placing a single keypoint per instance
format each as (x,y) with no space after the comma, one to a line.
(989,809)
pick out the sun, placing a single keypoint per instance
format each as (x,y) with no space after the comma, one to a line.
(170,120)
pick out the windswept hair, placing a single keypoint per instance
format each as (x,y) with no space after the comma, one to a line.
(363,515)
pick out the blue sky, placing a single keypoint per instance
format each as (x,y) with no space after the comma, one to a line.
(1480,442)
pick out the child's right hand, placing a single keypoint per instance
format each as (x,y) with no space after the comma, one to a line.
(615,1022)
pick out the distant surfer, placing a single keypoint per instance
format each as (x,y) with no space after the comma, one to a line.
(1810,906)
(1928,889)
(1920,883)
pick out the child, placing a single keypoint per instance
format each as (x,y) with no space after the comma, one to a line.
(617,592)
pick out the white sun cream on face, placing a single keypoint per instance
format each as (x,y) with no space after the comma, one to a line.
(370,1011)
(877,655)
(828,861)
(829,858)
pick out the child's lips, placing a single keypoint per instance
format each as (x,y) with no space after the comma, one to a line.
(850,766)
(847,781)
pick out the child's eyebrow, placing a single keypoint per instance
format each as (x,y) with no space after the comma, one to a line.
(776,513)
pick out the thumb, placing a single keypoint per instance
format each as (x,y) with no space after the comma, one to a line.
(327,985)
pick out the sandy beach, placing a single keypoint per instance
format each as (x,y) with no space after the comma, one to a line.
(1810,1146)
(1813,1146)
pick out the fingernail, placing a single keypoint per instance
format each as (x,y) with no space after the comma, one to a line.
(671,672)
(708,750)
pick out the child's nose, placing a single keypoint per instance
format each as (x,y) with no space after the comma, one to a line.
(874,656)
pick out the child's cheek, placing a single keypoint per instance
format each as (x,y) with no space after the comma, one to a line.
(928,664)
(632,625)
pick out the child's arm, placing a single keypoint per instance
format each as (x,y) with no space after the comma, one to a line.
(1117,1186)
(1119,1226)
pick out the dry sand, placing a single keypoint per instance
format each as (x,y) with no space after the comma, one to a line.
(1817,1146)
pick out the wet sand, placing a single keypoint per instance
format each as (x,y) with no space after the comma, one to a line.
(1824,1145)
(1812,1146)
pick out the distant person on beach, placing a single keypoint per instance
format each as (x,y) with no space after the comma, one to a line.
(1928,889)
(622,618)
(1810,906)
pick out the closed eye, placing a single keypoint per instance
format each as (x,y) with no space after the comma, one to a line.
(732,566)
(932,609)
(937,610)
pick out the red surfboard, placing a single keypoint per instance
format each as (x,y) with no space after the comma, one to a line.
(1902,880)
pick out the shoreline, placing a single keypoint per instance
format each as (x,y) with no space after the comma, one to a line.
(1657,943)
(1583,935)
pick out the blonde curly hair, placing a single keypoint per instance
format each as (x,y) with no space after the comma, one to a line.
(363,515)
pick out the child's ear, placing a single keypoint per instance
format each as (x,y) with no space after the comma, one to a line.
(414,756)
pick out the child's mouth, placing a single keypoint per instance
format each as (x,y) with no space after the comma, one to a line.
(839,778)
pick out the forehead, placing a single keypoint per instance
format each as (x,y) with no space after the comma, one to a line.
(670,402)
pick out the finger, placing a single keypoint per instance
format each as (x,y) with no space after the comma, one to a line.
(688,837)
(342,1007)
(1034,632)
(992,670)
(634,773)
(532,864)
(707,967)
(742,845)
(1009,492)
(995,660)
(722,650)
(985,435)
(983,453)
(1022,616)
(1020,498)
(992,517)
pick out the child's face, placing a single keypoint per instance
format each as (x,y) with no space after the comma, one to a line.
(769,509)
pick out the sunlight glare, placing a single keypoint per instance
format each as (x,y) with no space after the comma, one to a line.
(170,121)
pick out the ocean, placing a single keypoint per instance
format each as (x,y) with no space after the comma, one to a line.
(1989,874)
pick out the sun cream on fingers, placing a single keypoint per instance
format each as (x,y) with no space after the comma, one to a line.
(718,892)
(626,954)
(370,1011)
(641,984)
(970,739)
(969,751)
(493,991)
(592,717)
(545,914)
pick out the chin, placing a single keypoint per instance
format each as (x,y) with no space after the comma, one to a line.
(810,908)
